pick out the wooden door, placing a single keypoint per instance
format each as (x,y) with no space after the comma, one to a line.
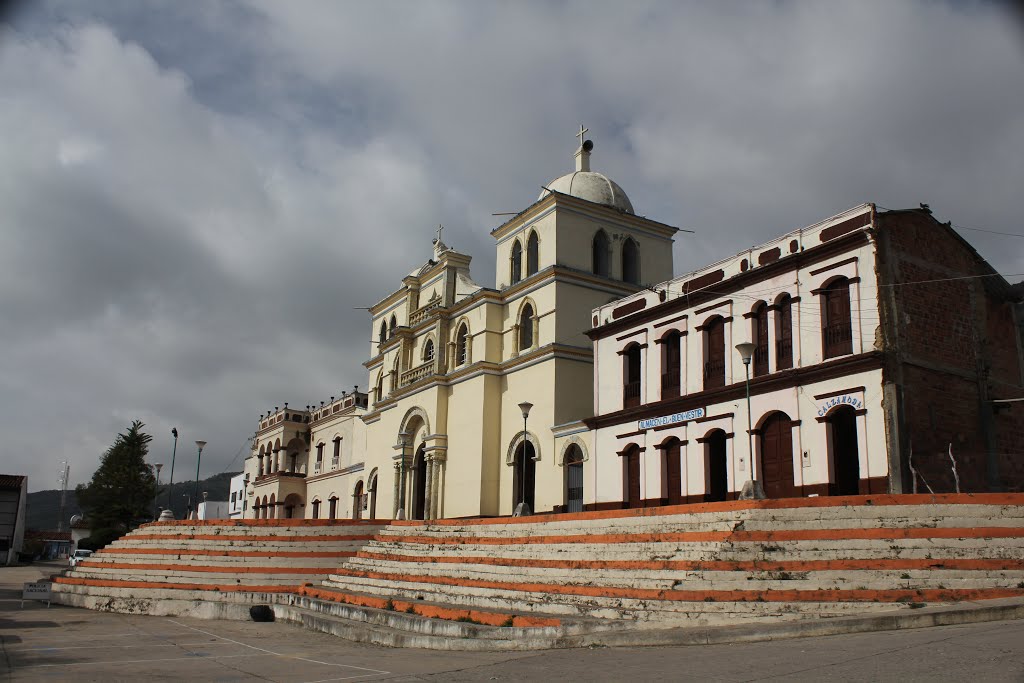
(632,470)
(777,457)
(673,473)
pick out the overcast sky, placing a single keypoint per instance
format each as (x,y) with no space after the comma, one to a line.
(195,197)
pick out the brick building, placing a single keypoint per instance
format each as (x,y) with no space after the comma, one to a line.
(877,343)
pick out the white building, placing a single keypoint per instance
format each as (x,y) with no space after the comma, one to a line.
(237,503)
(860,332)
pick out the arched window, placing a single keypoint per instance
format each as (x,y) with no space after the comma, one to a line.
(394,373)
(319,456)
(631,376)
(394,326)
(428,351)
(836,330)
(336,460)
(273,506)
(671,364)
(380,387)
(517,262)
(714,353)
(631,262)
(526,328)
(532,254)
(383,337)
(332,508)
(759,334)
(599,249)
(316,509)
(461,351)
(784,333)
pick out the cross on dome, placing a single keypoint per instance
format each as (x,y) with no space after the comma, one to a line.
(583,131)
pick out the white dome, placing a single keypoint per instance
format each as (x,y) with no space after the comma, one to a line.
(593,187)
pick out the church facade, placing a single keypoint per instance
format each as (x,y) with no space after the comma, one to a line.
(442,430)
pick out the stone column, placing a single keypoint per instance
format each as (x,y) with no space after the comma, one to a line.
(429,472)
(394,504)
(435,482)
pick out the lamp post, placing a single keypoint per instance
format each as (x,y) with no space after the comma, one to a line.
(157,466)
(174,433)
(403,441)
(523,509)
(199,459)
(752,487)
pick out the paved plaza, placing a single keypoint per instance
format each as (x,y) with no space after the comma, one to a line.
(67,644)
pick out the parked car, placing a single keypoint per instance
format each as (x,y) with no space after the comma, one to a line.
(77,557)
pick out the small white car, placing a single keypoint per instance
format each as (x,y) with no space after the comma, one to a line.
(77,557)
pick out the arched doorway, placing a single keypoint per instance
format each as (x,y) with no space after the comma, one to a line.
(357,501)
(419,483)
(573,479)
(631,476)
(777,456)
(273,507)
(292,503)
(671,471)
(373,495)
(715,467)
(524,476)
(842,424)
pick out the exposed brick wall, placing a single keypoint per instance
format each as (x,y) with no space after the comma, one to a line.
(957,349)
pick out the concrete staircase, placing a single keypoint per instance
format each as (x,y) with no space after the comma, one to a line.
(544,580)
(705,564)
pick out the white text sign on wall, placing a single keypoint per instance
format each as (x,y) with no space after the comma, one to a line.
(844,400)
(670,419)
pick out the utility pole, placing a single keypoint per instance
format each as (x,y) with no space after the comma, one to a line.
(65,470)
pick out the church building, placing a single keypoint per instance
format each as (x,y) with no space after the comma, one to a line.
(476,394)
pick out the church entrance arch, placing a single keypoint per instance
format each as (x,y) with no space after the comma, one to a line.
(842,427)
(524,476)
(777,456)
(419,483)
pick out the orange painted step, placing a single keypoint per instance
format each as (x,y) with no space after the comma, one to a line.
(1012,499)
(820,595)
(720,536)
(429,610)
(710,565)
(226,553)
(206,568)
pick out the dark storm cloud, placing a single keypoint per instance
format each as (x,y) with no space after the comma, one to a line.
(199,196)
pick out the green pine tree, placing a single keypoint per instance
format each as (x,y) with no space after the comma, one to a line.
(120,494)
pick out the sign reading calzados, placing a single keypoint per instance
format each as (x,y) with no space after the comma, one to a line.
(845,399)
(670,419)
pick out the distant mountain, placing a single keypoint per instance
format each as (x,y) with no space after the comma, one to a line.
(43,507)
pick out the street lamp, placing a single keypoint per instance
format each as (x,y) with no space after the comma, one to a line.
(403,441)
(174,433)
(157,466)
(523,509)
(752,487)
(199,459)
